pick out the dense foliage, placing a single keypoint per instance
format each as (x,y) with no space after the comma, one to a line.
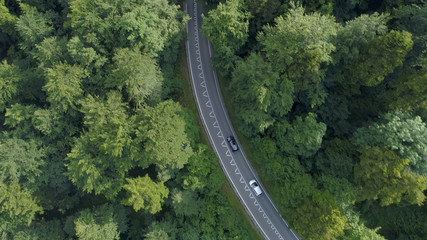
(94,143)
(332,98)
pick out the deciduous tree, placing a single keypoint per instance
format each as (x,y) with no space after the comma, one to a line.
(322,214)
(144,193)
(378,58)
(298,44)
(161,130)
(400,132)
(383,175)
(137,74)
(303,137)
(259,95)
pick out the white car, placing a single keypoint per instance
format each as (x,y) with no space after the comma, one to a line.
(254,185)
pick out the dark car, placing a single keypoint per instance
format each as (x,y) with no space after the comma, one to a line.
(232,143)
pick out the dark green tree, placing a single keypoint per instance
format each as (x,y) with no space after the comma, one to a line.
(44,230)
(185,203)
(298,44)
(20,160)
(303,137)
(259,95)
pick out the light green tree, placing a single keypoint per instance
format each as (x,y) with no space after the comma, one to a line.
(322,214)
(7,20)
(383,175)
(144,193)
(401,132)
(63,86)
(137,74)
(101,223)
(355,229)
(355,34)
(161,130)
(102,155)
(18,207)
(32,27)
(9,78)
(227,26)
(378,58)
(107,24)
(51,51)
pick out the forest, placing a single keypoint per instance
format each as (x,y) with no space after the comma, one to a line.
(331,99)
(100,138)
(97,141)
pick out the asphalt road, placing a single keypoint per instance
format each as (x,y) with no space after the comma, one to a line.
(217,126)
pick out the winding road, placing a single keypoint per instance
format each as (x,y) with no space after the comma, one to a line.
(217,126)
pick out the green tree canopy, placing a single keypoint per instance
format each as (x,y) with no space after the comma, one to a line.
(17,205)
(20,160)
(7,20)
(303,137)
(144,193)
(383,175)
(227,26)
(355,229)
(259,95)
(137,74)
(32,27)
(378,58)
(110,24)
(401,132)
(63,86)
(185,203)
(9,78)
(100,223)
(322,215)
(298,44)
(357,33)
(161,130)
